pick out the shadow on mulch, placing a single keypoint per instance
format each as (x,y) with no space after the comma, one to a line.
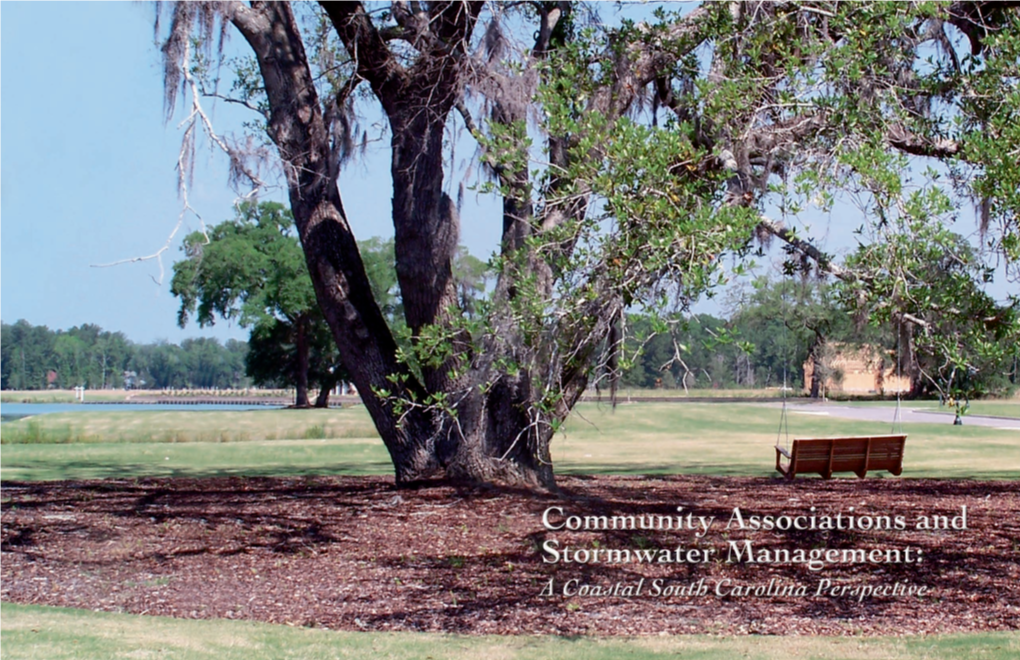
(354,553)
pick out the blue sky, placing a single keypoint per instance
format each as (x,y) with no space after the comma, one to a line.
(87,175)
(87,170)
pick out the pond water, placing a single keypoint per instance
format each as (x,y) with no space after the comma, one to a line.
(12,411)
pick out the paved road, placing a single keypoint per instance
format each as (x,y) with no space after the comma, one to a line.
(907,415)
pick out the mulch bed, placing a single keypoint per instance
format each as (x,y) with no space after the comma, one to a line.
(355,554)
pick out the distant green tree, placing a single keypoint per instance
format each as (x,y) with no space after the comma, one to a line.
(161,365)
(470,276)
(378,257)
(251,269)
(98,359)
(272,358)
(211,365)
(649,356)
(71,356)
(111,355)
(679,352)
(90,356)
(26,355)
(237,352)
(706,352)
(785,321)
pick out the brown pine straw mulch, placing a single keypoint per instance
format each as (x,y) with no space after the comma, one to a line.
(355,554)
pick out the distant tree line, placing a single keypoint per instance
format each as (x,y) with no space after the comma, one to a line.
(774,327)
(35,357)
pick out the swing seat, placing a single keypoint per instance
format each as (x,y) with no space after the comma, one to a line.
(856,454)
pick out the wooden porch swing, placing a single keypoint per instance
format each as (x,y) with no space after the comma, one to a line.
(857,454)
(826,456)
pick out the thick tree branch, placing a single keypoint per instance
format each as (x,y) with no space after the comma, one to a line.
(901,138)
(451,23)
(367,48)
(465,114)
(549,18)
(249,21)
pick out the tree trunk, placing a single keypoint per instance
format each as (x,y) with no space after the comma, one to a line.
(499,436)
(325,387)
(817,373)
(301,368)
(496,434)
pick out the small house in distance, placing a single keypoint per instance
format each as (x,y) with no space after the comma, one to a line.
(847,369)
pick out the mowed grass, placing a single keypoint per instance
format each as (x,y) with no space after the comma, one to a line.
(1003,408)
(739,440)
(209,426)
(191,443)
(727,439)
(45,633)
(1009,408)
(195,459)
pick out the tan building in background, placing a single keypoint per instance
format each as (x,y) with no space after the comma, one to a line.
(856,370)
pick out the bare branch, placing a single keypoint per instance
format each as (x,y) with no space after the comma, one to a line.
(182,167)
(466,115)
(913,319)
(231,99)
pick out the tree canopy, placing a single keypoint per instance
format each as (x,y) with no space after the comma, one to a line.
(630,159)
(251,269)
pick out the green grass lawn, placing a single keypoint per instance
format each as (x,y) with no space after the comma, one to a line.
(207,426)
(47,633)
(991,407)
(707,393)
(738,440)
(650,438)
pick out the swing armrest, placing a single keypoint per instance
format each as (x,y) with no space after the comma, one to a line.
(788,471)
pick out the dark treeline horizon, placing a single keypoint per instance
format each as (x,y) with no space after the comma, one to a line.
(774,326)
(35,357)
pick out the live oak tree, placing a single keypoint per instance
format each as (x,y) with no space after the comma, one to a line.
(628,159)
